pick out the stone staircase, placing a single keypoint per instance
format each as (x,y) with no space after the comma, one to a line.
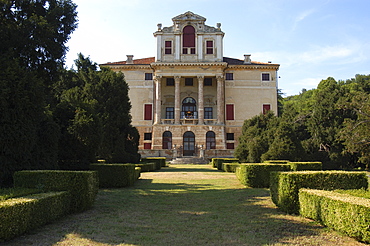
(189,160)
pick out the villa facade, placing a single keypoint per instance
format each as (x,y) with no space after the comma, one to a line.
(190,100)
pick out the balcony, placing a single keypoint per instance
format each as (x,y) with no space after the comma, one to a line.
(189,118)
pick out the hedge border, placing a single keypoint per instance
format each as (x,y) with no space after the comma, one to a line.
(115,175)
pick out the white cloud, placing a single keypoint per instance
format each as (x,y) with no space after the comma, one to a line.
(301,16)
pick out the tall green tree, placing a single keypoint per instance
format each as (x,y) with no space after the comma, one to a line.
(33,35)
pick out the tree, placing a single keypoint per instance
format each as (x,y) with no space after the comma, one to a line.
(33,35)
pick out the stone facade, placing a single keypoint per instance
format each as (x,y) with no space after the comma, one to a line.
(191,100)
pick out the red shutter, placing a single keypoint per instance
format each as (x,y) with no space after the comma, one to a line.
(188,37)
(147,146)
(266,108)
(148,112)
(229,111)
(230,146)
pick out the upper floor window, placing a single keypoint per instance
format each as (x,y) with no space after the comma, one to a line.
(170,82)
(188,81)
(148,76)
(229,76)
(265,77)
(208,113)
(188,40)
(207,81)
(209,45)
(170,113)
(230,136)
(168,47)
(147,136)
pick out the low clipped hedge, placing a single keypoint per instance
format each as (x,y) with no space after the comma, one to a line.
(82,185)
(217,162)
(305,166)
(160,161)
(19,215)
(345,213)
(284,186)
(147,167)
(115,175)
(230,167)
(257,175)
(277,161)
(137,172)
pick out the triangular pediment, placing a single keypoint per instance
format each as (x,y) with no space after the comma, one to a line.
(189,16)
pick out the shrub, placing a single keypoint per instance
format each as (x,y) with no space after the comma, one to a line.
(217,162)
(345,213)
(147,167)
(115,175)
(305,166)
(160,161)
(20,215)
(83,185)
(137,172)
(9,193)
(284,186)
(230,167)
(276,161)
(257,175)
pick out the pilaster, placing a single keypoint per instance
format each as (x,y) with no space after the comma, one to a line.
(158,99)
(220,100)
(177,100)
(200,100)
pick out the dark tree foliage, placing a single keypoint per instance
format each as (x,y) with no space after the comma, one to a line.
(33,35)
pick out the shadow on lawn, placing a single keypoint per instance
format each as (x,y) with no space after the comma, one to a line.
(151,213)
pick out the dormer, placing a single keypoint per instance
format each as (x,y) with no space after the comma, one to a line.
(189,40)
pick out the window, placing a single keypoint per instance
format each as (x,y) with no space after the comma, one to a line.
(210,140)
(148,76)
(265,77)
(207,81)
(266,108)
(170,113)
(147,136)
(189,109)
(167,140)
(168,47)
(148,112)
(209,45)
(188,40)
(229,145)
(188,81)
(229,111)
(229,136)
(229,76)
(170,81)
(147,145)
(208,113)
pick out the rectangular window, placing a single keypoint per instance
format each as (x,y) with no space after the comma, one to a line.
(229,136)
(148,76)
(229,76)
(168,47)
(147,145)
(147,136)
(208,113)
(170,81)
(229,111)
(148,112)
(207,81)
(266,108)
(265,77)
(170,113)
(229,145)
(209,47)
(188,81)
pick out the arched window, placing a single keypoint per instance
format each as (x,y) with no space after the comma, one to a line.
(210,140)
(189,108)
(188,40)
(167,140)
(189,144)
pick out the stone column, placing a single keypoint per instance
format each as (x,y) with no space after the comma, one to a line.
(200,100)
(177,100)
(158,99)
(220,100)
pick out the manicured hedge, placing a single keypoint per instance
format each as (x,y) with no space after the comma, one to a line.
(277,161)
(137,172)
(160,161)
(230,167)
(147,167)
(345,213)
(115,175)
(284,186)
(217,162)
(257,175)
(305,166)
(82,185)
(19,215)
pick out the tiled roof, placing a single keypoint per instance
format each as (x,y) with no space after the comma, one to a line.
(233,61)
(143,61)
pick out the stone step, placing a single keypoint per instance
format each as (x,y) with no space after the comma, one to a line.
(189,160)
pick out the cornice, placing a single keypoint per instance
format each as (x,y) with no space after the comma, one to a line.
(188,64)
(255,66)
(127,66)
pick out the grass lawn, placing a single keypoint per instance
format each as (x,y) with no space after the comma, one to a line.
(183,205)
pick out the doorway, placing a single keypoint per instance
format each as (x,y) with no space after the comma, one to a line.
(189,144)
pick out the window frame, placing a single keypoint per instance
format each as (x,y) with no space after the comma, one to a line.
(170,113)
(208,112)
(230,112)
(209,48)
(148,76)
(148,136)
(230,136)
(265,77)
(170,82)
(168,48)
(148,111)
(187,82)
(229,76)
(208,82)
(266,107)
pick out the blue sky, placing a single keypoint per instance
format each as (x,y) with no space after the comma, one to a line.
(311,40)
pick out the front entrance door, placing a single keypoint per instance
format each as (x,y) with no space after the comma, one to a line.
(189,144)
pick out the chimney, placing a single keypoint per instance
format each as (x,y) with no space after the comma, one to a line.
(247,59)
(129,59)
